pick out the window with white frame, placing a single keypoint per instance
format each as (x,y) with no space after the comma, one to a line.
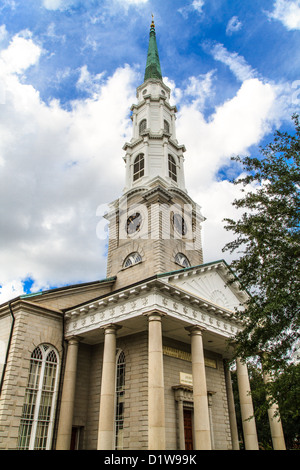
(120,395)
(132,259)
(36,426)
(172,168)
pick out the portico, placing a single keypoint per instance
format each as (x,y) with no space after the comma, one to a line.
(169,315)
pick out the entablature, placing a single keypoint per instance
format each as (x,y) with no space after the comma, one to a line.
(153,295)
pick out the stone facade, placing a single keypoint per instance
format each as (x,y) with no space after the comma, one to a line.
(136,361)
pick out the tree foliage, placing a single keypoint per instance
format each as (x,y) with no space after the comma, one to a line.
(268,248)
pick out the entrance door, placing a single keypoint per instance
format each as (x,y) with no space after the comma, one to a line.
(75,438)
(188,429)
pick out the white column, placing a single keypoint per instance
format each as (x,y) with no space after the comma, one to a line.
(249,426)
(64,432)
(231,410)
(275,422)
(201,413)
(156,395)
(108,388)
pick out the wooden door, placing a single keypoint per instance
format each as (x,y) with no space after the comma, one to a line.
(188,429)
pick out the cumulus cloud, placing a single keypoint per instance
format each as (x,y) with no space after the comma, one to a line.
(233,128)
(287,12)
(10,290)
(57,166)
(21,53)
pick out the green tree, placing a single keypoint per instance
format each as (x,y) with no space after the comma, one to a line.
(268,249)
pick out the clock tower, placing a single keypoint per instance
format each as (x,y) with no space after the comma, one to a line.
(155,227)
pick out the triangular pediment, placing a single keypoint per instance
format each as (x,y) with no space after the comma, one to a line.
(211,283)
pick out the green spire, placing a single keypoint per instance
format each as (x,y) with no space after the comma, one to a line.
(153,65)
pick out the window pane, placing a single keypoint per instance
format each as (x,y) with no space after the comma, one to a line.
(29,405)
(38,401)
(131,259)
(172,168)
(143,126)
(138,167)
(120,395)
(181,259)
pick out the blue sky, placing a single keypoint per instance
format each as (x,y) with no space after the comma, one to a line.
(69,70)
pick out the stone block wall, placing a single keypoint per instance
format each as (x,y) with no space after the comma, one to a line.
(30,330)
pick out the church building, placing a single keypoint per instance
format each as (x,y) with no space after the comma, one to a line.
(138,360)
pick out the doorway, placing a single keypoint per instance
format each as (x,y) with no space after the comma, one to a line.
(188,428)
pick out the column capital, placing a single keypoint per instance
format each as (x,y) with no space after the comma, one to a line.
(154,315)
(111,328)
(74,339)
(195,330)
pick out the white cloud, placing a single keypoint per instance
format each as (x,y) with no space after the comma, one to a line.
(288,12)
(233,128)
(233,25)
(198,5)
(57,166)
(10,290)
(200,88)
(216,202)
(195,5)
(21,53)
(89,82)
(237,64)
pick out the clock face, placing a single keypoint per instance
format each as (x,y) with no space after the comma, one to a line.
(134,223)
(179,224)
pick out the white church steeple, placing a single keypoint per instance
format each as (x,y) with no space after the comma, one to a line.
(153,151)
(155,227)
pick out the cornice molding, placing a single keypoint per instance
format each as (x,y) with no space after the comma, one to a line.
(154,295)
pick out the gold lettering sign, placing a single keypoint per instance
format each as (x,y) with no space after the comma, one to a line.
(185,356)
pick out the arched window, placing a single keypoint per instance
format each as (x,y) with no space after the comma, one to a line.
(138,167)
(37,419)
(132,259)
(142,125)
(172,168)
(181,259)
(166,126)
(120,395)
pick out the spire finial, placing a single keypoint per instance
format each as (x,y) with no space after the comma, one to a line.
(153,66)
(152,24)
